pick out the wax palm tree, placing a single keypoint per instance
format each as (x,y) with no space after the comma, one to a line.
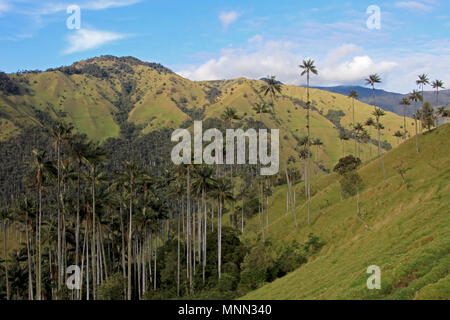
(378,113)
(358,129)
(130,179)
(422,81)
(308,68)
(437,84)
(6,216)
(42,169)
(372,81)
(353,95)
(405,103)
(223,192)
(370,123)
(318,143)
(416,96)
(365,138)
(78,150)
(26,214)
(271,87)
(228,115)
(59,133)
(202,183)
(94,177)
(267,192)
(260,108)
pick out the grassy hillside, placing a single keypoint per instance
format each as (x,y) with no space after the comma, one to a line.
(100,95)
(409,235)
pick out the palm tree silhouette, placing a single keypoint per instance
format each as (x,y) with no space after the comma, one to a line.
(271,87)
(416,96)
(437,84)
(378,113)
(6,217)
(358,129)
(260,108)
(223,191)
(405,102)
(422,81)
(308,67)
(202,183)
(42,170)
(59,133)
(353,95)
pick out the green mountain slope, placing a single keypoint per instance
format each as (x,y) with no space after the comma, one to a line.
(102,94)
(409,235)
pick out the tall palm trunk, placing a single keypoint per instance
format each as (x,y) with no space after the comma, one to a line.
(6,260)
(308,189)
(404,121)
(261,209)
(242,214)
(87,260)
(94,246)
(219,235)
(205,224)
(189,228)
(421,115)
(354,133)
(58,252)
(77,227)
(129,245)
(380,153)
(178,257)
(39,273)
(122,231)
(290,200)
(30,277)
(415,125)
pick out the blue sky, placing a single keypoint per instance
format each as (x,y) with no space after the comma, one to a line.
(205,40)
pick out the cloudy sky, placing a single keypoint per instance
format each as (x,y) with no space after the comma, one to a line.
(206,40)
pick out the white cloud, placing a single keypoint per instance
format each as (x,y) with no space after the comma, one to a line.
(84,39)
(260,59)
(414,5)
(48,8)
(106,4)
(343,66)
(336,55)
(281,58)
(5,6)
(228,17)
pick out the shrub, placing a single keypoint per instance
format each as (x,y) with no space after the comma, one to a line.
(112,288)
(313,244)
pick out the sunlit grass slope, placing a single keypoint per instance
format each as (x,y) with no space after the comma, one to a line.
(409,236)
(154,98)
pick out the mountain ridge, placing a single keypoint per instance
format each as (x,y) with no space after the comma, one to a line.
(387,100)
(108,96)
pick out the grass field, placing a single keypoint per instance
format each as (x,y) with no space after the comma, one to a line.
(409,236)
